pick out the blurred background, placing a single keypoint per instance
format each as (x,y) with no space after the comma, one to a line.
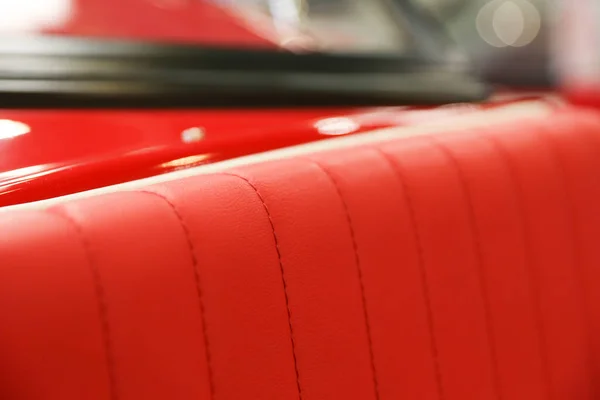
(509,41)
(513,42)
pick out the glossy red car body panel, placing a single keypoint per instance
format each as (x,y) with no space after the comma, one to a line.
(68,151)
(59,152)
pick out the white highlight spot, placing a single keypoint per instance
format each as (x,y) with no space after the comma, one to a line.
(336,126)
(508,23)
(10,129)
(33,15)
(192,135)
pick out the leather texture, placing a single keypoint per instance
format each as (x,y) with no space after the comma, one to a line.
(462,265)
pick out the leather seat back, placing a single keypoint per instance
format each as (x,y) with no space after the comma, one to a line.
(450,266)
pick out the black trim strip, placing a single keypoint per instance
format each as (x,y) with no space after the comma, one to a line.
(76,72)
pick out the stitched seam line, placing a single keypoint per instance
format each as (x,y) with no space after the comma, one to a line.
(282,269)
(421,261)
(591,139)
(100,293)
(197,281)
(534,290)
(476,236)
(576,241)
(359,270)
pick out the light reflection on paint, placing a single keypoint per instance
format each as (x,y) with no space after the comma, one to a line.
(25,174)
(10,129)
(22,171)
(186,161)
(34,15)
(337,126)
(191,135)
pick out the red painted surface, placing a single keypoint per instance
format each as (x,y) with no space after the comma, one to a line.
(71,151)
(193,21)
(584,96)
(66,152)
(182,21)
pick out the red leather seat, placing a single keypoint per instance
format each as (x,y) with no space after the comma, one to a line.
(452,266)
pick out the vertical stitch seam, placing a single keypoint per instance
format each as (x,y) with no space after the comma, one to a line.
(100,294)
(422,270)
(534,290)
(282,269)
(476,238)
(556,159)
(197,281)
(592,139)
(359,271)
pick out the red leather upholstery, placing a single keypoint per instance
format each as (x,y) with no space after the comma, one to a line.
(455,266)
